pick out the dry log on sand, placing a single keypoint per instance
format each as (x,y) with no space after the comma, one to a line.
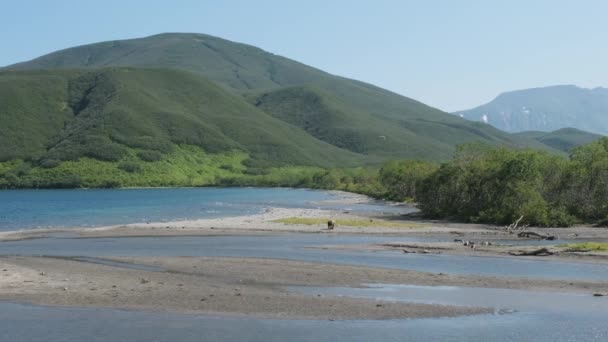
(528,234)
(537,252)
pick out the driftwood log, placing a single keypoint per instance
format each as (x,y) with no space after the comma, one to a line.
(513,225)
(528,234)
(537,252)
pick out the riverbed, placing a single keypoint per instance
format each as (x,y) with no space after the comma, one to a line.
(242,275)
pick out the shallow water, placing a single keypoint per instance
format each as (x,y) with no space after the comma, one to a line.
(500,299)
(36,323)
(26,209)
(295,247)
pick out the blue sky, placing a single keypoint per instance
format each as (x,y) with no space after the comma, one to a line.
(449,54)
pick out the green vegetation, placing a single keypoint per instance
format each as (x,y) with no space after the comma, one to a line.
(102,114)
(218,95)
(401,179)
(586,246)
(359,180)
(348,222)
(185,166)
(498,185)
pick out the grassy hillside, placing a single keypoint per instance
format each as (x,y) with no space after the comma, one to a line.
(184,166)
(347,113)
(33,108)
(422,134)
(66,115)
(130,112)
(563,139)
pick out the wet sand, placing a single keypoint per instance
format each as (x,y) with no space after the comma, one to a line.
(214,286)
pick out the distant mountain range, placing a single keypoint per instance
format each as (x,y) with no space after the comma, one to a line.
(545,109)
(114,100)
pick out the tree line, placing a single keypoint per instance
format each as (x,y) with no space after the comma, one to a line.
(500,185)
(479,184)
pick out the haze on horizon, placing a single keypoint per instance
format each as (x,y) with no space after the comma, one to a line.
(451,55)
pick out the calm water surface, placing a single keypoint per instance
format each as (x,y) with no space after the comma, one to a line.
(23,209)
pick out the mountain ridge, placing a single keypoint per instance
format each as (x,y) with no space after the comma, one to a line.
(545,109)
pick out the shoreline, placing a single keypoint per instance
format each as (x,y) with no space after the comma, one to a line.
(344,198)
(258,287)
(378,224)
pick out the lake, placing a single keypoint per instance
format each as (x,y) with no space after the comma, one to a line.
(28,209)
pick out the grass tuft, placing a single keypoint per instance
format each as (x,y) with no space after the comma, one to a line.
(587,246)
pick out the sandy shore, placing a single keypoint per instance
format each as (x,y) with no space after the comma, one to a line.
(266,223)
(377,224)
(215,286)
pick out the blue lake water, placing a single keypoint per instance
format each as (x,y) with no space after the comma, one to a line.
(23,209)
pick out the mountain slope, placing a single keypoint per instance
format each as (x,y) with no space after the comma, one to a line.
(331,119)
(180,88)
(68,114)
(563,139)
(546,109)
(366,119)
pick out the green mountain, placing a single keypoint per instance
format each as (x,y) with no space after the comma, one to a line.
(188,109)
(234,65)
(562,139)
(69,114)
(546,109)
(347,114)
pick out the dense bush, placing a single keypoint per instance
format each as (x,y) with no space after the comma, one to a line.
(501,185)
(402,178)
(150,156)
(130,167)
(49,163)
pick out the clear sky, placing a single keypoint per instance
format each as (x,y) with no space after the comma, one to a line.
(451,54)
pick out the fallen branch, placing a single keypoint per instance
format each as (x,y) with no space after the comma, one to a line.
(528,234)
(538,252)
